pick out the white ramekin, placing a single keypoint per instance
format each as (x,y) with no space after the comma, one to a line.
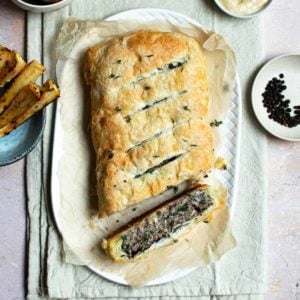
(41,8)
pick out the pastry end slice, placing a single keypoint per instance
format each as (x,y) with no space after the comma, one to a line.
(162,226)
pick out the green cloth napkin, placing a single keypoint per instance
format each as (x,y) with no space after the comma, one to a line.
(239,272)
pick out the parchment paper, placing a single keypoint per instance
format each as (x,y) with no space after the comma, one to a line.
(82,231)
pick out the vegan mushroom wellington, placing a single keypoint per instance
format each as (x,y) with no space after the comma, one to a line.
(150,95)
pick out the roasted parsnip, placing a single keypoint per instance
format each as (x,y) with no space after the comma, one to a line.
(30,99)
(11,64)
(28,75)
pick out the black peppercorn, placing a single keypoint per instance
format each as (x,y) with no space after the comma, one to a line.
(277,107)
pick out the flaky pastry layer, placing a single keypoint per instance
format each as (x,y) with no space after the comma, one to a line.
(149,95)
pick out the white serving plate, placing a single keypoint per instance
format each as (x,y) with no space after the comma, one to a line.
(289,65)
(230,130)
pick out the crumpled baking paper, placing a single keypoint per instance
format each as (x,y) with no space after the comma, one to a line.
(77,219)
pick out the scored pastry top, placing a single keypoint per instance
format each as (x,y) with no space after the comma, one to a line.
(149,95)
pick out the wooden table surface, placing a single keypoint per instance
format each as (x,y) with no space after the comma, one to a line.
(281,35)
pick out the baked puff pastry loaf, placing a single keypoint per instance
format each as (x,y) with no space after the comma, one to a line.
(149,95)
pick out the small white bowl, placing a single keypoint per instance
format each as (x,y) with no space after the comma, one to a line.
(289,65)
(43,7)
(232,14)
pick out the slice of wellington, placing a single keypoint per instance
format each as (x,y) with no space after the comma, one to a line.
(149,95)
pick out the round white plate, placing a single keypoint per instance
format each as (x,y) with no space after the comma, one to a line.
(230,131)
(289,65)
(232,14)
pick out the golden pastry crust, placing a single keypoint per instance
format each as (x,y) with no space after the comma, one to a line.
(149,94)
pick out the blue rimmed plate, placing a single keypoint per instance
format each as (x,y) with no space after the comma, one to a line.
(22,140)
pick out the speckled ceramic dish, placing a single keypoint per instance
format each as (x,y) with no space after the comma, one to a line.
(22,140)
(32,5)
(289,66)
(232,14)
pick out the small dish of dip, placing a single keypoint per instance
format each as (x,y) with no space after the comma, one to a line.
(243,8)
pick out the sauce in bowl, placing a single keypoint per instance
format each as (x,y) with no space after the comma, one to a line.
(244,7)
(41,2)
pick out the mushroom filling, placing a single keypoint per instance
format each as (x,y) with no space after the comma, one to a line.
(163,163)
(168,67)
(165,222)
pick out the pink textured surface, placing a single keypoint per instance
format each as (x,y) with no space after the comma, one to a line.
(12,185)
(12,21)
(281,35)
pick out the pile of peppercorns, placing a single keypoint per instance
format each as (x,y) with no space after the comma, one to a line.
(277,106)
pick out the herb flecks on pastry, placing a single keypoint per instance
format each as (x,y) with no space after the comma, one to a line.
(149,95)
